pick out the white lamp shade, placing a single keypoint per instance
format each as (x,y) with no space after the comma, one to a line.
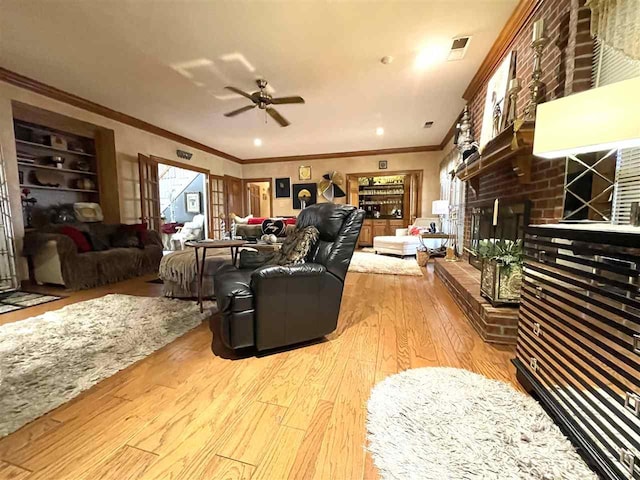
(440,207)
(599,119)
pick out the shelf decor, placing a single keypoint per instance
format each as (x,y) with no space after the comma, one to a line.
(57,167)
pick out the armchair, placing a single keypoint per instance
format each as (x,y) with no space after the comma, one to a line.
(275,306)
(190,231)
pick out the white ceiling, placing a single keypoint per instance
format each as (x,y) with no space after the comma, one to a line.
(128,55)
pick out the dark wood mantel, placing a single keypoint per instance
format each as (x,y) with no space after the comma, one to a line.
(514,145)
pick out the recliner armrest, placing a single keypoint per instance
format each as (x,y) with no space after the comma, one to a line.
(277,271)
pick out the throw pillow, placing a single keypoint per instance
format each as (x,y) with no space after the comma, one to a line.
(255,221)
(296,247)
(78,238)
(98,242)
(290,221)
(139,228)
(273,227)
(126,238)
(242,220)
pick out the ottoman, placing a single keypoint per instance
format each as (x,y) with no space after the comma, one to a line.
(405,245)
(178,273)
(401,245)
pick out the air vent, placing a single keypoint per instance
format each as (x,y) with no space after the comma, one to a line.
(459,48)
(427,125)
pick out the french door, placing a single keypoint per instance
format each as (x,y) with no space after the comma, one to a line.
(218,212)
(8,272)
(149,192)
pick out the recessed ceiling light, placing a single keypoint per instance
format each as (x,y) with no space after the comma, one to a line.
(257,142)
(379,131)
(386,60)
(430,56)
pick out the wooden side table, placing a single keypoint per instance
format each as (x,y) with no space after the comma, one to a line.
(233,245)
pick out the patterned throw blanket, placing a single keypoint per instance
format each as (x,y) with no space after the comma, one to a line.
(179,267)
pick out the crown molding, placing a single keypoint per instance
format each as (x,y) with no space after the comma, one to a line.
(48,91)
(38,87)
(522,14)
(358,153)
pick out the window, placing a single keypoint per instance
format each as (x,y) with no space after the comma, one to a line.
(610,66)
(452,190)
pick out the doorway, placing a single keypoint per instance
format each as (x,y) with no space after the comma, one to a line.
(258,198)
(174,200)
(183,201)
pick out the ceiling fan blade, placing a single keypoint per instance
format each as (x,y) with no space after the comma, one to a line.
(239,110)
(284,100)
(239,92)
(277,117)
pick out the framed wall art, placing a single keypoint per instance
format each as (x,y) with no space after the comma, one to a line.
(283,187)
(495,101)
(304,194)
(193,203)
(304,172)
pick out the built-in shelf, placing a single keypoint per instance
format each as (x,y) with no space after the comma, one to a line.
(50,148)
(47,167)
(58,189)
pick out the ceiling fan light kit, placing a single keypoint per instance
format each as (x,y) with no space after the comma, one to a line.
(264,101)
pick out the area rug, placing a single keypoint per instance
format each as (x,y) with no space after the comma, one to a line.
(12,301)
(47,360)
(365,262)
(446,423)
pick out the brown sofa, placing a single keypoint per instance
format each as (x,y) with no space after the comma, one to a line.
(55,258)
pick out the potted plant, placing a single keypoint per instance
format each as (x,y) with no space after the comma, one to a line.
(501,277)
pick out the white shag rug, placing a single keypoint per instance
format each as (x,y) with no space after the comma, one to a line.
(365,262)
(47,360)
(447,423)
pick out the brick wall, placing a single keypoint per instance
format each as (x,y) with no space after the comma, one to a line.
(566,66)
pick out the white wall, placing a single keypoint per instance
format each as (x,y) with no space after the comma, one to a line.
(129,141)
(425,161)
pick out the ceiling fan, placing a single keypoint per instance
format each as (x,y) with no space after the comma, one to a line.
(263,101)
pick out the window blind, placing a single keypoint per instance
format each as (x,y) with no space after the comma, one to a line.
(610,66)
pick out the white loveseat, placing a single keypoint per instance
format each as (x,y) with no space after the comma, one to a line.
(403,243)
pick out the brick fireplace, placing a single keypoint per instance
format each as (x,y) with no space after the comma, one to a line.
(567,65)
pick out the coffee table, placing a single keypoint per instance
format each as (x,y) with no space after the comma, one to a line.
(233,245)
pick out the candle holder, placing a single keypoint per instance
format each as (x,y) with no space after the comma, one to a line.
(512,112)
(537,89)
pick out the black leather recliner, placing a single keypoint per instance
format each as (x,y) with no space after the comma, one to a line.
(275,306)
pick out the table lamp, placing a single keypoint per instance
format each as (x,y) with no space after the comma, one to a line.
(600,119)
(440,208)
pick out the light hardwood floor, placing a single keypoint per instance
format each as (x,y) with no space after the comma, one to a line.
(184,413)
